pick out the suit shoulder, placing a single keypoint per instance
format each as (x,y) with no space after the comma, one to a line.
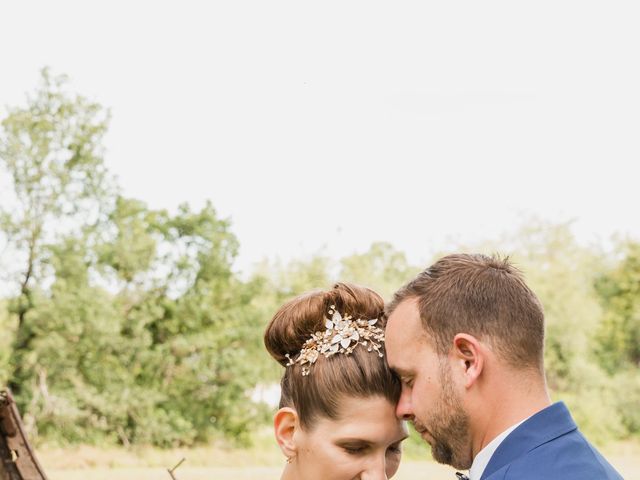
(570,457)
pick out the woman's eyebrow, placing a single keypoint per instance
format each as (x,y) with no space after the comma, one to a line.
(354,440)
(363,441)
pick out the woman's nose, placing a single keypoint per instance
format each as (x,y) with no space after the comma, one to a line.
(377,470)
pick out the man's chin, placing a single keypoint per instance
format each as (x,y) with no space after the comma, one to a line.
(441,453)
(444,454)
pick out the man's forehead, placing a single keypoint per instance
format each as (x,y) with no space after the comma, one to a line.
(404,335)
(405,318)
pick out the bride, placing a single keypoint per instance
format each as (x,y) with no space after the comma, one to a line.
(337,408)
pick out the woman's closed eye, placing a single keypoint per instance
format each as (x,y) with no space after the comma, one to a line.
(355,448)
(362,448)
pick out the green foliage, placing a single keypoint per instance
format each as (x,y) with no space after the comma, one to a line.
(626,392)
(132,248)
(168,359)
(51,151)
(7,326)
(131,326)
(619,291)
(592,400)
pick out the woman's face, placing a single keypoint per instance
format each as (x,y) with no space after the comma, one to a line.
(363,444)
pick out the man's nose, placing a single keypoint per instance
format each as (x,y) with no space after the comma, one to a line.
(404,409)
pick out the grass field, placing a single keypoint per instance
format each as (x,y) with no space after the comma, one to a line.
(408,471)
(262,462)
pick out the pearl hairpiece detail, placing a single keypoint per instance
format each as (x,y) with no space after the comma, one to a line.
(342,335)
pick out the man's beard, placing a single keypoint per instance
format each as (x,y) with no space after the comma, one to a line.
(448,426)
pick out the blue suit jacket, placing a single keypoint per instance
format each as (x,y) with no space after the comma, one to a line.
(548,446)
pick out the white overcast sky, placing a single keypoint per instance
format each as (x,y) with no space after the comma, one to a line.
(337,123)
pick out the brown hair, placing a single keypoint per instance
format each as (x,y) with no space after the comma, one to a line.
(483,296)
(361,374)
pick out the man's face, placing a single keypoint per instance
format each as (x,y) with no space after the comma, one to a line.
(430,398)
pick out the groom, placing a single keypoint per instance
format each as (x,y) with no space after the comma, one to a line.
(466,338)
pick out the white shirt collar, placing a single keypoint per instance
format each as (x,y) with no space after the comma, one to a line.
(481,460)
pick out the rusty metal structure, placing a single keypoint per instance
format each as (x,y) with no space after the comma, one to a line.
(17,458)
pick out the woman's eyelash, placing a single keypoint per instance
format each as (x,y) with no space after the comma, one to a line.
(354,450)
(357,450)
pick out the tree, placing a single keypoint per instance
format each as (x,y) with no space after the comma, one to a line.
(7,326)
(618,336)
(73,372)
(51,150)
(619,291)
(131,325)
(196,328)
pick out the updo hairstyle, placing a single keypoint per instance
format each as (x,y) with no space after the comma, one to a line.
(361,374)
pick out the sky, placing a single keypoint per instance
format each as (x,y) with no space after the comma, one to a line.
(326,126)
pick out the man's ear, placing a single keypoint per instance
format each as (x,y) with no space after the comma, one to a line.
(285,423)
(469,354)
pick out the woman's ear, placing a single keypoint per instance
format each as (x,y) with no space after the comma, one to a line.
(285,423)
(469,355)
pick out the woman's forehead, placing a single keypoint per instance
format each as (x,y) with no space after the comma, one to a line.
(371,418)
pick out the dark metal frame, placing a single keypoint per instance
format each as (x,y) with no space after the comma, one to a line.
(17,458)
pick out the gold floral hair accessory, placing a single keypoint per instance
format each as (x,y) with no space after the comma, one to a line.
(342,335)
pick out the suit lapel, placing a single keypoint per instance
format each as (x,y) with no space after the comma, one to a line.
(546,425)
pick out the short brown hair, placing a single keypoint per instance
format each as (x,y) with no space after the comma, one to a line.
(484,296)
(360,374)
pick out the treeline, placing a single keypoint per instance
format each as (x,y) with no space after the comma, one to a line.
(124,324)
